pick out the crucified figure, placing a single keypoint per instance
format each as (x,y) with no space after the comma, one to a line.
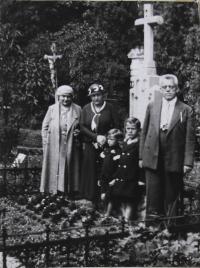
(52,60)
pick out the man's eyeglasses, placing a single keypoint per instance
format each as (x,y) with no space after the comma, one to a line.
(170,87)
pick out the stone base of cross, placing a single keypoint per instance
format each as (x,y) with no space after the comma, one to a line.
(143,85)
(141,94)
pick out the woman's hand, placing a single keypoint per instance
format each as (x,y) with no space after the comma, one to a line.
(111,183)
(140,163)
(101,140)
(76,132)
(103,196)
(186,169)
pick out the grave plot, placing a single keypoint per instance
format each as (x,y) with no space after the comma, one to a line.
(152,247)
(84,238)
(55,211)
(37,230)
(19,220)
(79,236)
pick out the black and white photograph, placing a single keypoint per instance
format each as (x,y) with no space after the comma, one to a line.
(99,133)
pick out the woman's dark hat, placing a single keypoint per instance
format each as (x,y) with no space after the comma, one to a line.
(95,88)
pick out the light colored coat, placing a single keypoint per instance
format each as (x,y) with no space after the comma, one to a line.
(180,137)
(51,148)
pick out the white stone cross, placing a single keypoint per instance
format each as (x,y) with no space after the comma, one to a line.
(52,60)
(148,21)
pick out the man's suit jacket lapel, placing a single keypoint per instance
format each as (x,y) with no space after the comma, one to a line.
(157,113)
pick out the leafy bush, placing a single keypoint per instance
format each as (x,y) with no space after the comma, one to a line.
(8,140)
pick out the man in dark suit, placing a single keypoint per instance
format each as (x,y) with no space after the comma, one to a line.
(166,148)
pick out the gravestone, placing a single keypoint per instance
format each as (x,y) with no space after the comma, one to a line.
(144,79)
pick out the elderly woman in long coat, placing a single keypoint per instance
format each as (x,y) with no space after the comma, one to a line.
(60,170)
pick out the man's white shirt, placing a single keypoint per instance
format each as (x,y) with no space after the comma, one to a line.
(167,112)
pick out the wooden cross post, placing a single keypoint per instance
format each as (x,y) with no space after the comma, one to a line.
(6,107)
(148,21)
(52,62)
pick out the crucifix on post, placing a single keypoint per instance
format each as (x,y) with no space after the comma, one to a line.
(52,65)
(149,21)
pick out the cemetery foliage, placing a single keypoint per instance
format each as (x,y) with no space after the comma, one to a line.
(144,246)
(30,214)
(177,49)
(94,39)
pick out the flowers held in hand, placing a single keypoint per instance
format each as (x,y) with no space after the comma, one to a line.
(116,157)
(102,155)
(76,132)
(111,183)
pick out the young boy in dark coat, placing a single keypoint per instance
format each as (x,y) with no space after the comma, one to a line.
(124,186)
(110,157)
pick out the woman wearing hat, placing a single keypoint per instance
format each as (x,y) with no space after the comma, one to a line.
(60,170)
(97,118)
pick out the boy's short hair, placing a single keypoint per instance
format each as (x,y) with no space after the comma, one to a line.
(115,133)
(133,121)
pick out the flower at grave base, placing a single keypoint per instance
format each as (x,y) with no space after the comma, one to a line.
(65,224)
(63,212)
(116,157)
(102,155)
(86,221)
(44,202)
(45,213)
(23,221)
(82,211)
(64,201)
(37,207)
(34,199)
(72,206)
(141,225)
(22,200)
(34,217)
(164,233)
(55,217)
(52,206)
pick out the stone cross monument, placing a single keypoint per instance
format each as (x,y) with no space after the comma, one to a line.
(144,80)
(52,62)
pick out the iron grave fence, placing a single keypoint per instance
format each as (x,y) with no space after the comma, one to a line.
(90,246)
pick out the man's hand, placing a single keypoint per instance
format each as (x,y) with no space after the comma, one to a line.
(101,140)
(186,169)
(140,163)
(111,183)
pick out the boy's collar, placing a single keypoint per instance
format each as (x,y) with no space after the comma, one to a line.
(130,141)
